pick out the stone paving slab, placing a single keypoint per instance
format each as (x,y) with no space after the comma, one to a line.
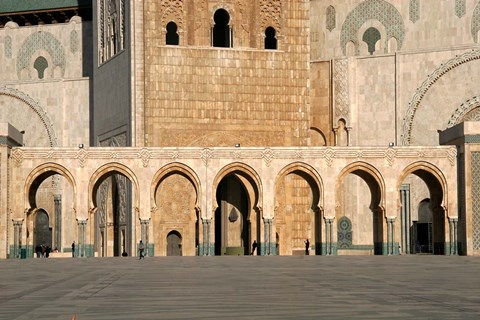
(250,287)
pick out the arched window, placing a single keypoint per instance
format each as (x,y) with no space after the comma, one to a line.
(40,65)
(371,37)
(222,33)
(270,38)
(172,37)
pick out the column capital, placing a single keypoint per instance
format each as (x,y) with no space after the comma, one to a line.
(17,222)
(453,219)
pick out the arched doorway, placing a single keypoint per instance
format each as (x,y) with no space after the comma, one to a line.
(42,229)
(297,213)
(360,216)
(232,224)
(113,196)
(174,243)
(50,194)
(175,192)
(237,195)
(113,221)
(422,214)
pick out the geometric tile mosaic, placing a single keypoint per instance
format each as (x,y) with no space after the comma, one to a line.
(8,47)
(41,41)
(344,235)
(476,22)
(331,19)
(414,10)
(379,10)
(476,199)
(460,8)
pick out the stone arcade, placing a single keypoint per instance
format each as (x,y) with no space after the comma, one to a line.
(200,126)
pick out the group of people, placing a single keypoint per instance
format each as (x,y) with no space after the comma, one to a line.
(43,251)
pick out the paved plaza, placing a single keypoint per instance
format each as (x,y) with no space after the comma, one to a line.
(246,287)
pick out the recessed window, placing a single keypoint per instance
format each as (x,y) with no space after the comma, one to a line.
(40,65)
(222,33)
(371,37)
(270,38)
(172,35)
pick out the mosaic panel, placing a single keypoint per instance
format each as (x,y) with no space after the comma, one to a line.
(476,22)
(476,199)
(41,41)
(460,8)
(8,47)
(379,10)
(74,41)
(344,233)
(331,18)
(414,10)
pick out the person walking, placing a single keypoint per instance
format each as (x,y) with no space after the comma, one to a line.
(141,248)
(254,247)
(73,249)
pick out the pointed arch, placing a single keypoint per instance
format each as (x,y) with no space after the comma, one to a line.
(246,173)
(107,170)
(39,174)
(173,168)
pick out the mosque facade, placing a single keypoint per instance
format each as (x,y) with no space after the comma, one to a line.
(201,126)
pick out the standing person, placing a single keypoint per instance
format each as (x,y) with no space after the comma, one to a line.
(141,248)
(254,247)
(38,250)
(307,246)
(73,249)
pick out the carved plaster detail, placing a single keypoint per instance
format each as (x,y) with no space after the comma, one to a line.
(340,83)
(422,90)
(270,14)
(172,10)
(467,111)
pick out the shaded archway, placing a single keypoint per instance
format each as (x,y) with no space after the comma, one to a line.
(422,188)
(237,198)
(360,198)
(42,230)
(298,209)
(113,197)
(175,195)
(50,207)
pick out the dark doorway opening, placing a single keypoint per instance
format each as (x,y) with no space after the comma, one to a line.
(174,243)
(221,30)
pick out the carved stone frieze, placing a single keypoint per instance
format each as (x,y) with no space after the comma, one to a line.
(467,111)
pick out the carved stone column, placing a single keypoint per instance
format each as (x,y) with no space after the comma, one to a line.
(453,230)
(57,199)
(391,236)
(144,227)
(328,236)
(82,237)
(17,237)
(206,237)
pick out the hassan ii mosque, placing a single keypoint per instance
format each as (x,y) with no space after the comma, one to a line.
(201,126)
